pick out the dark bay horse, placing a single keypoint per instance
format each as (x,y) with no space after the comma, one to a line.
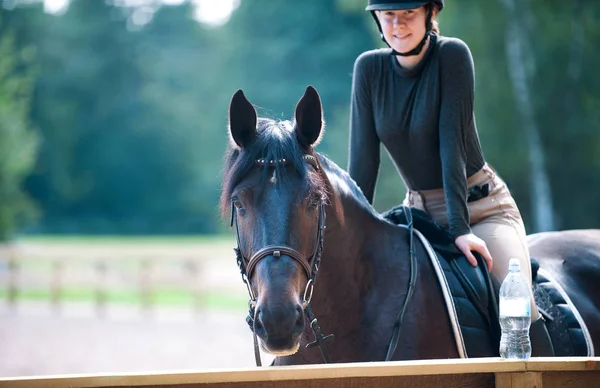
(293,211)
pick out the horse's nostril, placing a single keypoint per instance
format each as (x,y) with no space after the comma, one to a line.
(299,325)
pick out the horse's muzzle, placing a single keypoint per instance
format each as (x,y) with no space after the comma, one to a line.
(279,328)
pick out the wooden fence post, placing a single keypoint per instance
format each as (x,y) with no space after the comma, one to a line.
(13,280)
(56,286)
(101,297)
(193,268)
(146,284)
(519,380)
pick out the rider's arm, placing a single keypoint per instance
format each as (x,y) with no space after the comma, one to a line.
(364,150)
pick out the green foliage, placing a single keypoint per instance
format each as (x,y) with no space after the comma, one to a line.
(123,127)
(566,85)
(133,118)
(283,50)
(17,141)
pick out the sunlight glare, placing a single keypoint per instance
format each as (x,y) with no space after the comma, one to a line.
(215,12)
(210,12)
(56,7)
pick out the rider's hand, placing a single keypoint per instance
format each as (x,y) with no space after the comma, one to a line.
(469,242)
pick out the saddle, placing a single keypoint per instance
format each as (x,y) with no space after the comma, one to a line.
(471,297)
(568,331)
(468,291)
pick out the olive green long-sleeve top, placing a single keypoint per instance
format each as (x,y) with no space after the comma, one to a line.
(424,118)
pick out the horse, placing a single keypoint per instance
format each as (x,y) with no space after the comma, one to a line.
(310,242)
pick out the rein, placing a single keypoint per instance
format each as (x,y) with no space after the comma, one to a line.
(411,284)
(311,268)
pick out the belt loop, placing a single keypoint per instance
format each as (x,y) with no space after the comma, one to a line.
(423,202)
(493,177)
(490,171)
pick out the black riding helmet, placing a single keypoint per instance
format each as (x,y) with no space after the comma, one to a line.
(384,5)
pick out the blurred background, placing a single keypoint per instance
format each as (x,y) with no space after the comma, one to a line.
(113,119)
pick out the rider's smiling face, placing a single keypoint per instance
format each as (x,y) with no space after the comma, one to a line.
(403,29)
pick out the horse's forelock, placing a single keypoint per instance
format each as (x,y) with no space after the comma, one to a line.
(274,141)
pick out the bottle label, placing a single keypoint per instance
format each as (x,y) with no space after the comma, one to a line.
(515,307)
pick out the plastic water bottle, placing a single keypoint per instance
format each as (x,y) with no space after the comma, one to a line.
(515,314)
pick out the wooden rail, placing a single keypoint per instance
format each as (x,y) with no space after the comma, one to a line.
(465,373)
(100,271)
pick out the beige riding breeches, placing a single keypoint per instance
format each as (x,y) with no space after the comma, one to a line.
(495,219)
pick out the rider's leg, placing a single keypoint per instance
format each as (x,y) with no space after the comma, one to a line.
(505,239)
(501,227)
(496,220)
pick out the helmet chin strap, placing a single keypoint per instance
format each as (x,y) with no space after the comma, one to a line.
(416,51)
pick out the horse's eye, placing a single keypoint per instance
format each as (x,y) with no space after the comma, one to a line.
(236,202)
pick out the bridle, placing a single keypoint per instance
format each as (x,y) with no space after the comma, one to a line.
(310,266)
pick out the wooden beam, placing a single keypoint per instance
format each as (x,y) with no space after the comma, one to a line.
(453,373)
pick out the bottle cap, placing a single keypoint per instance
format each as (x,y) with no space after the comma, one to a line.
(514,265)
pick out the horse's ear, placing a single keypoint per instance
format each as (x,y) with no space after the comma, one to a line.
(309,118)
(242,120)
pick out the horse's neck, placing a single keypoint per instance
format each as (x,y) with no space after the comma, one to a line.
(356,236)
(356,244)
(362,284)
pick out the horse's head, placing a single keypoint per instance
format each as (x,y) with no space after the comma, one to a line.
(275,189)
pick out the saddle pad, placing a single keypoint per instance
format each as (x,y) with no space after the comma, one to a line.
(569,334)
(472,332)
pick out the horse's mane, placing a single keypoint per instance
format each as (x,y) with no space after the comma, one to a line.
(274,140)
(345,182)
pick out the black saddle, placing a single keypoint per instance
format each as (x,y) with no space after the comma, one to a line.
(474,296)
(566,332)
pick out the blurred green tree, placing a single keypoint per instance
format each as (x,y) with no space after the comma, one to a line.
(18,142)
(275,50)
(122,127)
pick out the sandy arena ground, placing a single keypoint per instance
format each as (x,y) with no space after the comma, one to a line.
(35,340)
